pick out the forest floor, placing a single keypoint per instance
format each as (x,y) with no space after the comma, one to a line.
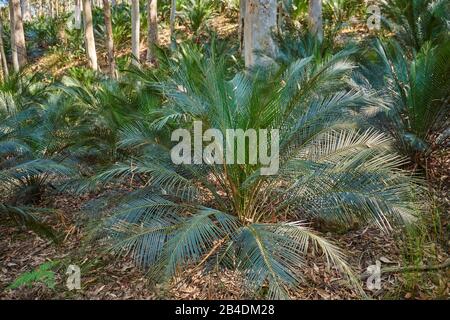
(104,276)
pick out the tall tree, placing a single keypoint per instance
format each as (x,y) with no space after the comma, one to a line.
(26,13)
(135,31)
(260,19)
(242,5)
(19,50)
(89,34)
(173,12)
(315,18)
(4,62)
(14,56)
(109,38)
(77,14)
(152,19)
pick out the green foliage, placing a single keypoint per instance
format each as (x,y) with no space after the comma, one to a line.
(42,274)
(75,42)
(41,34)
(341,11)
(416,92)
(197,12)
(121,24)
(28,154)
(416,22)
(230,215)
(296,44)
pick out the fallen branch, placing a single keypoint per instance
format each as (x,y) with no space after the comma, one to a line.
(443,265)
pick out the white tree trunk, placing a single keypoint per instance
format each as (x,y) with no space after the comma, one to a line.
(26,13)
(109,39)
(2,54)
(152,18)
(14,56)
(89,34)
(18,47)
(173,12)
(259,22)
(135,31)
(77,15)
(315,18)
(242,5)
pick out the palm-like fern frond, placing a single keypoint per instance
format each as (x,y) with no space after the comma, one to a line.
(416,22)
(417,93)
(327,169)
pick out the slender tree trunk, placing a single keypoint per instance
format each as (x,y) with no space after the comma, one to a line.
(77,14)
(26,13)
(3,55)
(41,8)
(56,6)
(17,36)
(109,39)
(242,5)
(260,19)
(315,18)
(14,56)
(89,34)
(152,39)
(135,31)
(173,12)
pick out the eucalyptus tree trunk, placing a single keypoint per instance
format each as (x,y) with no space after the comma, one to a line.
(242,5)
(109,39)
(89,34)
(4,63)
(315,18)
(14,56)
(135,31)
(18,47)
(51,8)
(173,12)
(152,38)
(259,22)
(41,8)
(56,6)
(77,14)
(26,13)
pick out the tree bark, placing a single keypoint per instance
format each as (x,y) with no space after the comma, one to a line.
(152,40)
(173,12)
(18,46)
(242,5)
(260,19)
(109,39)
(89,34)
(315,18)
(14,56)
(3,55)
(77,14)
(26,13)
(135,31)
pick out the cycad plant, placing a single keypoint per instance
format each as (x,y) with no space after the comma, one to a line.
(97,109)
(415,22)
(197,12)
(417,93)
(230,215)
(27,162)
